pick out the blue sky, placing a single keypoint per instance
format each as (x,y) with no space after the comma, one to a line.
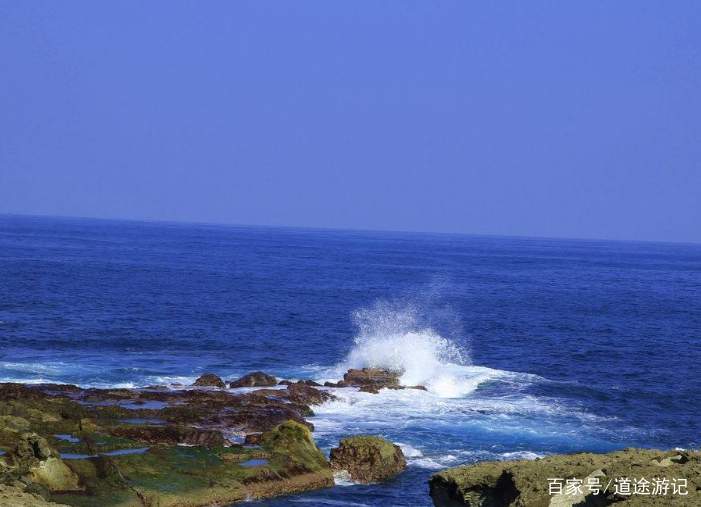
(574,119)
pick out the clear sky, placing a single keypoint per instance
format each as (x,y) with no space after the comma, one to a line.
(574,119)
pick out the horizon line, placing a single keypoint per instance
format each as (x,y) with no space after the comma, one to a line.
(340,229)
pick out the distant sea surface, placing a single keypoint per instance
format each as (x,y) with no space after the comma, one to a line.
(527,346)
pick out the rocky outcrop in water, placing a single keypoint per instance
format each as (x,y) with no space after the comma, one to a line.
(254,379)
(156,446)
(371,380)
(368,459)
(626,478)
(210,380)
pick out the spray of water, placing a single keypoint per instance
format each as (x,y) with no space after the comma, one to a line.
(394,337)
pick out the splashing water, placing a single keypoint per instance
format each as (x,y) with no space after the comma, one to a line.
(393,337)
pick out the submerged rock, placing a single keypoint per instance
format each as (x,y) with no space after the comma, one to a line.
(527,483)
(368,459)
(254,379)
(209,380)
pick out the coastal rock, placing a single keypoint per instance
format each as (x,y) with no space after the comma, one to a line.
(15,495)
(526,483)
(254,379)
(309,382)
(253,439)
(371,379)
(156,447)
(33,454)
(209,380)
(292,444)
(307,395)
(31,447)
(368,459)
(171,435)
(55,475)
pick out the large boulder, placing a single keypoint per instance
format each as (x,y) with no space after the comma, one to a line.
(293,449)
(368,459)
(209,380)
(30,448)
(55,475)
(511,483)
(33,454)
(254,379)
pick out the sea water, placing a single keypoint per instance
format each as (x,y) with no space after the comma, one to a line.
(526,346)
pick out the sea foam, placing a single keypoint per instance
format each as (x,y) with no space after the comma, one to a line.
(394,338)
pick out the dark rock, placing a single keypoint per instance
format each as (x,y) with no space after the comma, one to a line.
(307,395)
(171,435)
(372,379)
(253,439)
(254,379)
(285,383)
(209,380)
(368,459)
(31,447)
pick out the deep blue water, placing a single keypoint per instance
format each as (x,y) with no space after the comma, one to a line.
(528,346)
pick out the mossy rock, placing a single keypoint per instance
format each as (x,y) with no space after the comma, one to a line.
(526,483)
(293,449)
(368,459)
(33,418)
(55,475)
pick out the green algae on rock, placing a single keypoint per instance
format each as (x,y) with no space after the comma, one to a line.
(527,483)
(368,459)
(72,446)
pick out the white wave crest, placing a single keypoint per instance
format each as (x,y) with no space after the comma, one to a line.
(393,338)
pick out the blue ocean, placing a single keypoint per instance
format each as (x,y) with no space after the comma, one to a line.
(526,346)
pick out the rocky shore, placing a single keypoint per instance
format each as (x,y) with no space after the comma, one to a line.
(631,477)
(188,446)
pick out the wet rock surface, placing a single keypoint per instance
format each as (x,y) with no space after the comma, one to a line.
(124,447)
(368,459)
(526,483)
(210,380)
(371,380)
(178,446)
(254,379)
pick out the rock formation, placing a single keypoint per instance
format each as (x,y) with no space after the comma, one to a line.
(254,379)
(528,483)
(209,380)
(368,459)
